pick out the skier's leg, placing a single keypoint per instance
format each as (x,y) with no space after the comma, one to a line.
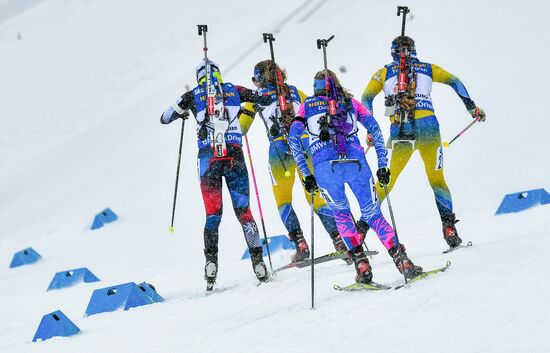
(211,189)
(324,213)
(431,151)
(332,189)
(362,185)
(400,155)
(236,178)
(282,190)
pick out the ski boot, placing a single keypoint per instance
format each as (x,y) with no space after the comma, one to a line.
(210,269)
(302,249)
(401,260)
(449,230)
(258,265)
(362,265)
(340,245)
(362,228)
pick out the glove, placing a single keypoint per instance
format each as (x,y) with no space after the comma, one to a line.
(478,114)
(275,130)
(310,184)
(383,175)
(184,116)
(263,100)
(370,140)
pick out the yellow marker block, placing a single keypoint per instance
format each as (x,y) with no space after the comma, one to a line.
(445,144)
(171,229)
(287,173)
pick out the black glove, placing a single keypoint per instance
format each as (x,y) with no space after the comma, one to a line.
(310,184)
(184,116)
(384,176)
(263,100)
(274,130)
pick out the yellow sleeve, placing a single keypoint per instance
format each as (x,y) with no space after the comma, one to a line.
(303,96)
(374,87)
(246,117)
(442,76)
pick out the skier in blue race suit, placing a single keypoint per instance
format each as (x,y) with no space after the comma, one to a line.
(339,159)
(220,155)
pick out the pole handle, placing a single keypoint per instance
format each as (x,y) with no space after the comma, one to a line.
(402,10)
(202,28)
(268,37)
(324,42)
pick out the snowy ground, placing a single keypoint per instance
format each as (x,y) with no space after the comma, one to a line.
(83,84)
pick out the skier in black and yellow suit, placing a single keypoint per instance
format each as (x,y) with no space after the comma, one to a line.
(281,161)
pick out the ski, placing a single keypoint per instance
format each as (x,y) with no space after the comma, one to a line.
(318,260)
(425,274)
(362,286)
(469,244)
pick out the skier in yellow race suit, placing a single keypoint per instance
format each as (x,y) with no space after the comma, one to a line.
(422,131)
(282,166)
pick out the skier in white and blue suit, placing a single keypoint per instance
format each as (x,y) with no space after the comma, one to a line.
(220,156)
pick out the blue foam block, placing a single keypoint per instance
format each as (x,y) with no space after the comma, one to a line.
(25,257)
(123,296)
(53,325)
(105,216)
(524,200)
(70,278)
(276,243)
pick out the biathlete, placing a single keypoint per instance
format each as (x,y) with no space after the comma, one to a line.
(282,166)
(421,131)
(338,159)
(220,155)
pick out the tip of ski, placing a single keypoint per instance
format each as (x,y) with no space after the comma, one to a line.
(362,286)
(468,244)
(424,275)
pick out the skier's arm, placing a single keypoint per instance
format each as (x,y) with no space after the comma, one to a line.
(176,110)
(250,96)
(303,96)
(297,129)
(367,120)
(246,117)
(374,87)
(442,76)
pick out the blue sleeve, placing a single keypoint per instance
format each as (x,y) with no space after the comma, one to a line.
(368,121)
(297,129)
(172,113)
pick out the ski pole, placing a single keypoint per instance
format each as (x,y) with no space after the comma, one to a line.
(395,230)
(171,229)
(258,200)
(447,144)
(259,110)
(312,253)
